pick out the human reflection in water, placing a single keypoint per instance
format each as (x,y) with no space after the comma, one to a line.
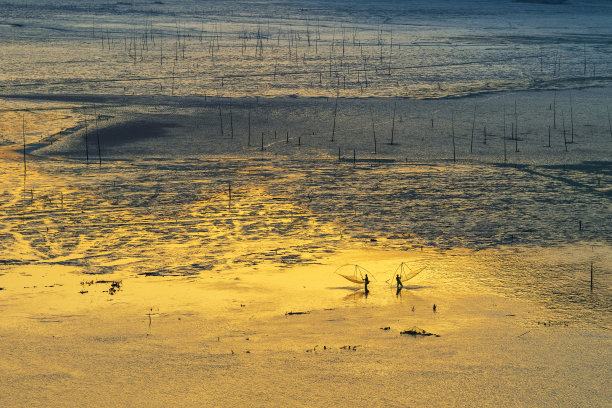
(366,282)
(398,292)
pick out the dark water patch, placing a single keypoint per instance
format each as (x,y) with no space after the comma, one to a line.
(14,262)
(131,131)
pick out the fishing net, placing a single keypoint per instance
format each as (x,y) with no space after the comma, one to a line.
(354,273)
(405,272)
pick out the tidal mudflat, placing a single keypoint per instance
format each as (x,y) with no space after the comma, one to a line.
(183,187)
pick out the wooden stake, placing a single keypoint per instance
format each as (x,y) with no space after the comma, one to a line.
(515,128)
(505,156)
(229,193)
(249,140)
(564,138)
(609,121)
(393,121)
(334,125)
(86,142)
(98,137)
(516,144)
(220,120)
(231,119)
(548,136)
(24,145)
(453,133)
(555,110)
(373,131)
(572,117)
(504,120)
(473,126)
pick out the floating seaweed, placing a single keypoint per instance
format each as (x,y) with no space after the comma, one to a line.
(415,331)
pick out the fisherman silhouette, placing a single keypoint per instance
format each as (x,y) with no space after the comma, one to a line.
(399,282)
(366,281)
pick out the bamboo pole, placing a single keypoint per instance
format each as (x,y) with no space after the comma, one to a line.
(249,139)
(220,120)
(453,133)
(98,138)
(393,121)
(86,142)
(609,121)
(24,146)
(473,126)
(334,125)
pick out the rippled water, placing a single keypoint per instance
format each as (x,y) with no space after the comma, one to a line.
(269,107)
(410,49)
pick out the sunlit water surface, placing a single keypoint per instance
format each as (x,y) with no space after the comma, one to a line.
(192,101)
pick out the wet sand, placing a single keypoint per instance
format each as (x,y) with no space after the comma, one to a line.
(191,343)
(142,285)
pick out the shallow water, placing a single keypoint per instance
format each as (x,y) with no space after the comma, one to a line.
(358,49)
(149,211)
(196,172)
(321,123)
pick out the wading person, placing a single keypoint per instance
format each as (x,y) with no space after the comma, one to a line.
(366,282)
(399,282)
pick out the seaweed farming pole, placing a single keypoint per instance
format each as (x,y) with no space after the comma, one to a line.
(220,120)
(504,134)
(231,119)
(373,131)
(98,137)
(249,140)
(473,126)
(262,141)
(564,137)
(505,155)
(86,142)
(173,67)
(334,125)
(24,146)
(453,133)
(572,117)
(555,110)
(229,195)
(515,121)
(393,121)
(609,121)
(548,136)
(516,142)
